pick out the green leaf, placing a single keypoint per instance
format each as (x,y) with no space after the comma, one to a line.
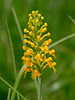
(62,40)
(12,88)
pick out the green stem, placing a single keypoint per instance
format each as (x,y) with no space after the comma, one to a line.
(61,40)
(39,89)
(12,50)
(71,19)
(17,83)
(18,25)
(9,92)
(18,98)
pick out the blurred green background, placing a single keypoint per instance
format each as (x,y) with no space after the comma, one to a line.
(59,86)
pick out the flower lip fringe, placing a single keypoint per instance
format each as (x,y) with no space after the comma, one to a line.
(37,53)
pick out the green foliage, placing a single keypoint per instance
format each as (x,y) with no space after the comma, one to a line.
(59,86)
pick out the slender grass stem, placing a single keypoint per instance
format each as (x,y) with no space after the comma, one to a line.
(17,82)
(35,80)
(12,50)
(12,88)
(18,98)
(9,92)
(17,23)
(71,19)
(39,89)
(61,40)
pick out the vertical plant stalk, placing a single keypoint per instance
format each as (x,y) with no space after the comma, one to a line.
(39,89)
(18,98)
(13,57)
(17,23)
(9,92)
(16,83)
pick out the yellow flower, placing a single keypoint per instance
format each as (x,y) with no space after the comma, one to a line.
(37,21)
(36,11)
(23,58)
(32,27)
(45,48)
(37,54)
(38,37)
(33,12)
(45,24)
(30,18)
(54,63)
(49,41)
(48,34)
(24,48)
(39,15)
(27,70)
(25,41)
(29,42)
(28,52)
(49,59)
(31,51)
(44,29)
(29,26)
(30,33)
(37,57)
(35,73)
(52,51)
(29,15)
(42,17)
(25,30)
(30,64)
(25,36)
(32,44)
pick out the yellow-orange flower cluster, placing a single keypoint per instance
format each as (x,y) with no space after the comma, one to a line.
(37,55)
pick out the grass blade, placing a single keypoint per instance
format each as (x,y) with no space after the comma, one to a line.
(61,40)
(18,97)
(9,92)
(71,19)
(18,25)
(13,57)
(14,64)
(17,82)
(12,88)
